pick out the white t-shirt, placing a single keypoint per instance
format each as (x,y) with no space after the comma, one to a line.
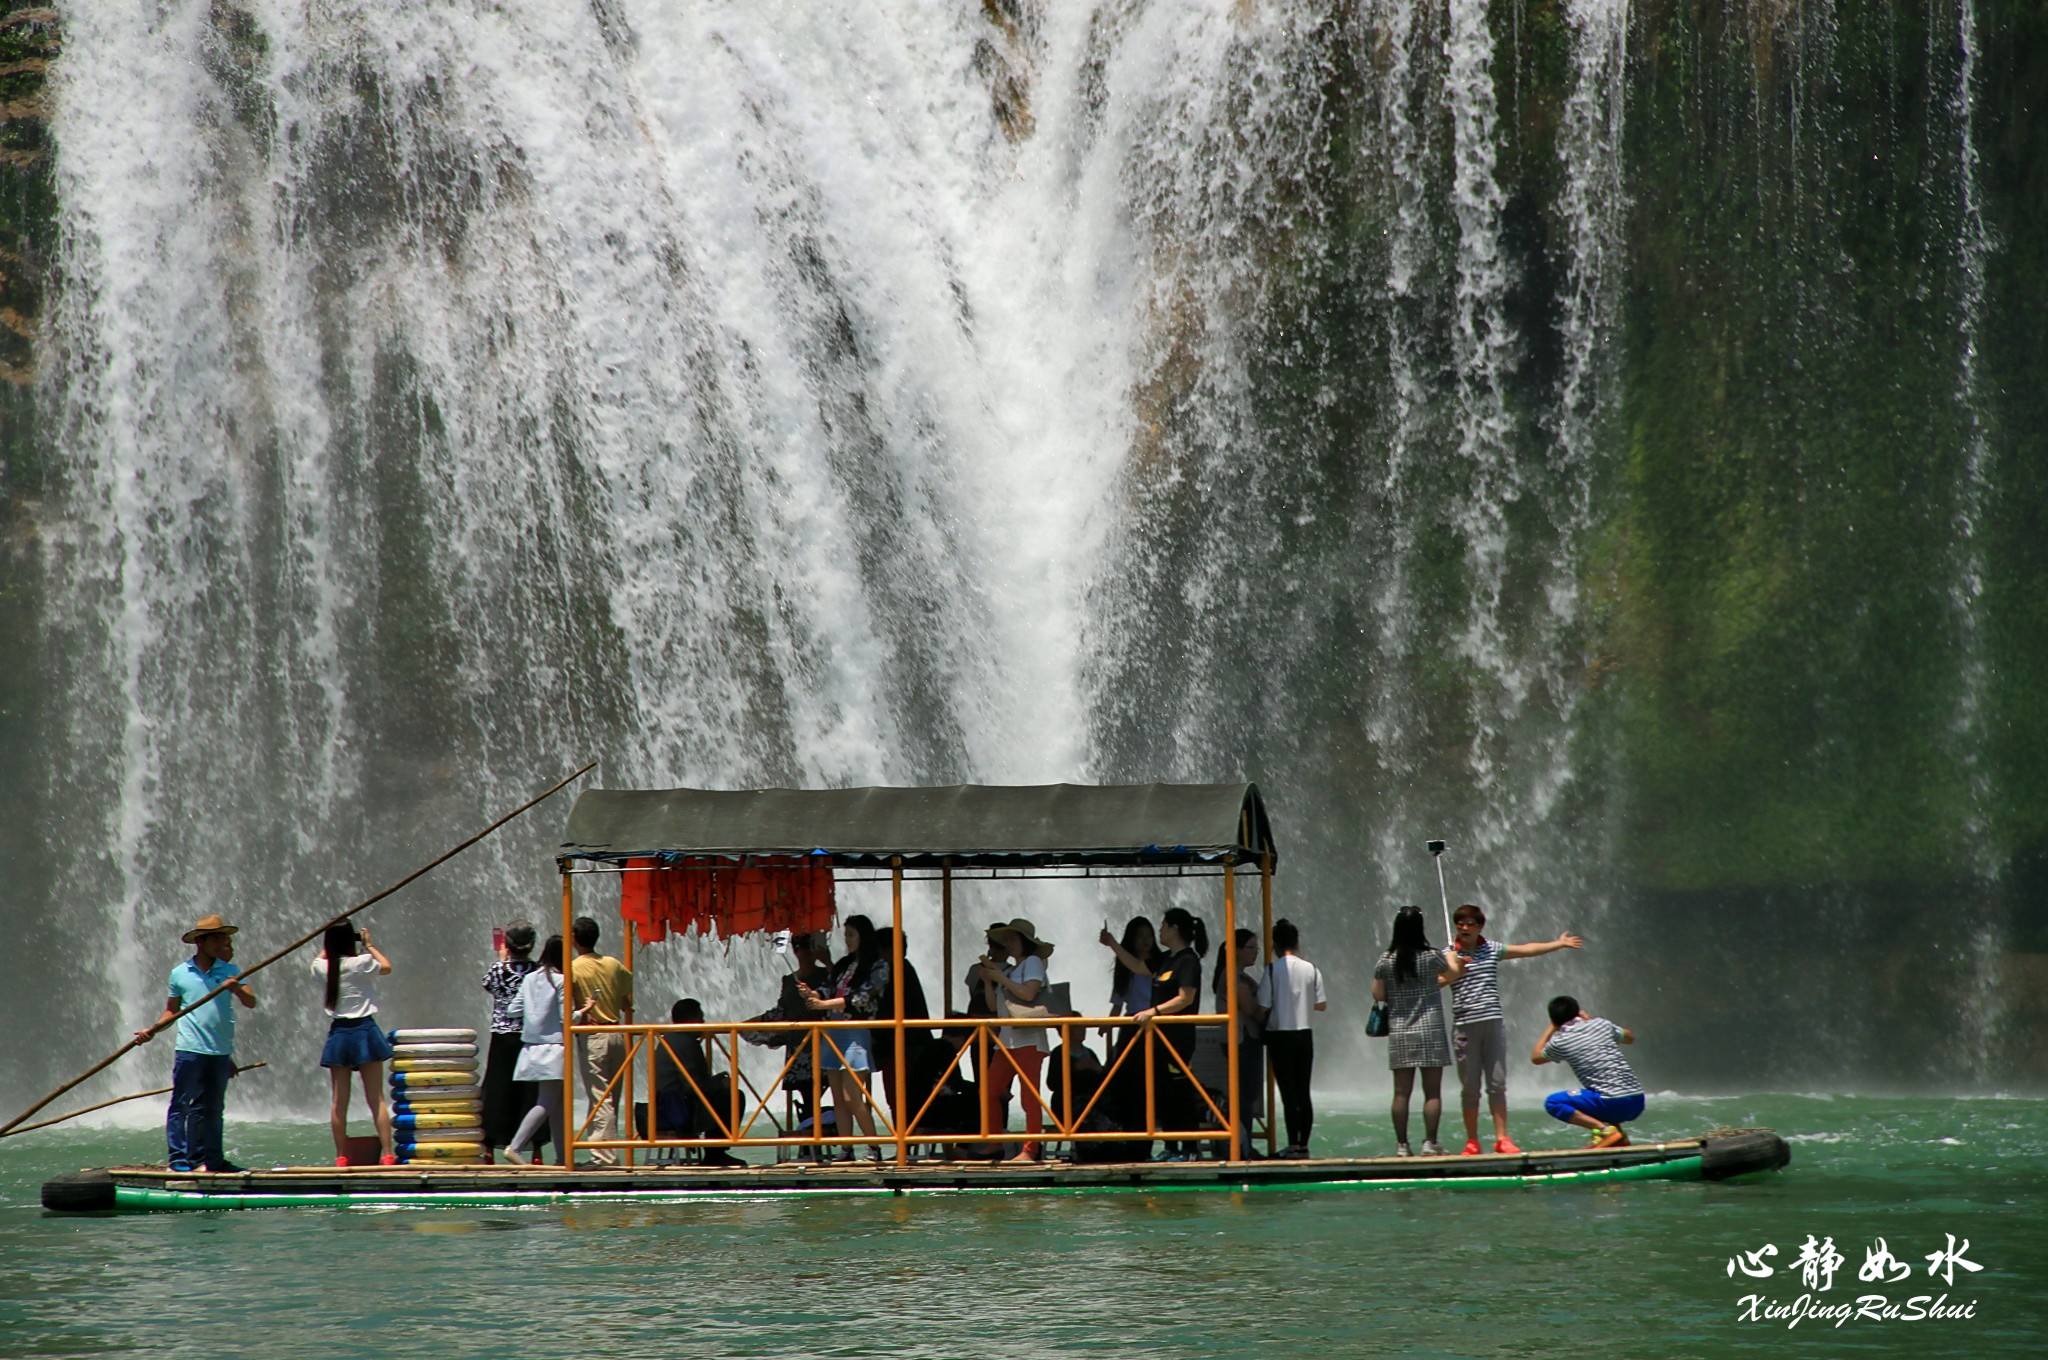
(540,1032)
(1293,988)
(357,995)
(1033,1036)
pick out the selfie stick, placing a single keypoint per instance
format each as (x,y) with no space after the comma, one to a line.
(1436,852)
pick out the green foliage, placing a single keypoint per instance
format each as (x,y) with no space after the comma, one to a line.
(28,44)
(1794,668)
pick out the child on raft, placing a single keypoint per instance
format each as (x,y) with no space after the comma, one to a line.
(1609,1094)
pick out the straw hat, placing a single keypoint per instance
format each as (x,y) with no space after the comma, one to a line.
(1029,933)
(209,925)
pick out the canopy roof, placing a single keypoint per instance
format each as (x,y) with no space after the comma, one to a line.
(965,826)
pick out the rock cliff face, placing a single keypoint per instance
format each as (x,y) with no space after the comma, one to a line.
(29,43)
(1610,436)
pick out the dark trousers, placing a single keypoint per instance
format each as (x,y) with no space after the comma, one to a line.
(199,1094)
(506,1101)
(1293,1052)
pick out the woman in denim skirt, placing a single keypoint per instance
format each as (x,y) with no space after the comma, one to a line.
(355,1042)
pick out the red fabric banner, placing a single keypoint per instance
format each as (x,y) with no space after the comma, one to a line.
(731,899)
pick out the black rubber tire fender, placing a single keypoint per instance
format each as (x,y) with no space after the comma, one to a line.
(1743,1153)
(79,1192)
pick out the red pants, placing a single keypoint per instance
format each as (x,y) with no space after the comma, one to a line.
(1002,1066)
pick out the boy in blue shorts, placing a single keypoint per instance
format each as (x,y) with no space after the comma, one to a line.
(1610,1095)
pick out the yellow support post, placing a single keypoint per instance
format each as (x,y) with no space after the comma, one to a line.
(567,1149)
(1145,1034)
(1232,1107)
(946,937)
(651,1130)
(1272,1083)
(897,989)
(625,1096)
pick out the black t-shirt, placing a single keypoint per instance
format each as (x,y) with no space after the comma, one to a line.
(1182,972)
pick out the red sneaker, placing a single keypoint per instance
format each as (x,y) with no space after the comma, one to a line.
(388,1159)
(341,1161)
(1472,1147)
(1505,1145)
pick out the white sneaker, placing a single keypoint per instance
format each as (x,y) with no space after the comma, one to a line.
(1432,1148)
(516,1157)
(1404,1152)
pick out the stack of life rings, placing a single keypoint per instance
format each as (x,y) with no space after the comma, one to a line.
(437,1106)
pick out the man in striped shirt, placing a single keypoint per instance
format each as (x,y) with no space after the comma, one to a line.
(1478,1024)
(1610,1095)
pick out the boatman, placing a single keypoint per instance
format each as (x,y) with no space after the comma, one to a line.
(206,1046)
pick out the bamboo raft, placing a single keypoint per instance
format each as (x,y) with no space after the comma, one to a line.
(146,1189)
(900,836)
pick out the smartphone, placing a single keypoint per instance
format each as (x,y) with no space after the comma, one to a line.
(497,938)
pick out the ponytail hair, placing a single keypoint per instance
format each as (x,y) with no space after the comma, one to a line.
(1190,927)
(338,943)
(551,954)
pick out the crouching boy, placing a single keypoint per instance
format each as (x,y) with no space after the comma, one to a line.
(1610,1095)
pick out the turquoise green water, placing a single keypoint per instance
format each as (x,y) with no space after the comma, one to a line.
(1635,1270)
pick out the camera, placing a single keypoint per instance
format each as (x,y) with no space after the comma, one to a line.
(1436,847)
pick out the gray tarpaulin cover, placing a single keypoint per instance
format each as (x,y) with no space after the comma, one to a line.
(971,825)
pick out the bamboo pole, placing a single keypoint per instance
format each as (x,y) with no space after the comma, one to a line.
(305,939)
(117,1100)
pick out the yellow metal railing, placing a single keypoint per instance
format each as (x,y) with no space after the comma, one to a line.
(745,1105)
(905,1133)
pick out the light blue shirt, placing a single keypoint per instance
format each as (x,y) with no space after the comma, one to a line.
(211,1028)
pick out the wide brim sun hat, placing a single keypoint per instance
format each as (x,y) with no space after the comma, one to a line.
(1028,932)
(208,925)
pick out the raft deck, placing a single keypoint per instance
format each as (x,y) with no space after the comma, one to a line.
(146,1188)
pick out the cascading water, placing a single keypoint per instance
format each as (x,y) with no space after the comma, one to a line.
(764,393)
(447,400)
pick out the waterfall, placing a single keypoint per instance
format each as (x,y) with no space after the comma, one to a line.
(744,399)
(1968,726)
(1463,421)
(450,396)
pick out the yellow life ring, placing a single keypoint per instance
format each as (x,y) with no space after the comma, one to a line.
(442,1152)
(408,1066)
(401,1081)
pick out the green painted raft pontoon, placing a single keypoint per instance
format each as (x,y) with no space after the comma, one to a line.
(154,1189)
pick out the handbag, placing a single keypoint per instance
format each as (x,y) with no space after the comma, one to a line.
(1376,1021)
(1054,1000)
